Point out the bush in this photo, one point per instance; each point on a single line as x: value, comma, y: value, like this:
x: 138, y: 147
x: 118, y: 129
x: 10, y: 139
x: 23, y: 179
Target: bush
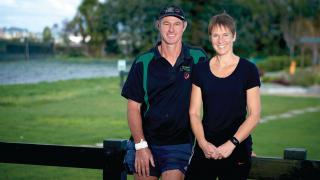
x: 70, y: 51
x: 303, y: 77
x: 277, y: 63
x: 282, y: 79
x: 273, y: 63
x: 306, y: 77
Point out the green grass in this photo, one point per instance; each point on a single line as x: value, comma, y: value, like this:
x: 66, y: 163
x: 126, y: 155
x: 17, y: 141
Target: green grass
x: 302, y: 131
x: 85, y: 112
x: 33, y: 172
x: 273, y: 105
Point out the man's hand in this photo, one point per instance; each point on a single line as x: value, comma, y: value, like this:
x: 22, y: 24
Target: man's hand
x: 142, y: 162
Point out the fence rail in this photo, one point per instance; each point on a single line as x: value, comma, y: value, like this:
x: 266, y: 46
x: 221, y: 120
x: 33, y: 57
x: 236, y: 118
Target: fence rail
x: 109, y: 158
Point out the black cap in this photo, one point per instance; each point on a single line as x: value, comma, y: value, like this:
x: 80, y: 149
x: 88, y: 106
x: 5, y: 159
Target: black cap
x: 171, y: 11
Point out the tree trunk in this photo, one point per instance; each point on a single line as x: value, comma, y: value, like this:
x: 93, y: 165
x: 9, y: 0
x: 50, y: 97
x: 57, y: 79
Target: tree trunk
x: 315, y: 55
x: 302, y: 56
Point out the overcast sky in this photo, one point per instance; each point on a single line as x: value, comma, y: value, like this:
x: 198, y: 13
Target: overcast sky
x: 34, y: 15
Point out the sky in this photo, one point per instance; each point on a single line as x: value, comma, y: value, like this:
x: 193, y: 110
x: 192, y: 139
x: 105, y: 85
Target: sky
x: 34, y: 15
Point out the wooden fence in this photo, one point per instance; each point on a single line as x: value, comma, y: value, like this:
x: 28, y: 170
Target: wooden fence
x: 109, y: 159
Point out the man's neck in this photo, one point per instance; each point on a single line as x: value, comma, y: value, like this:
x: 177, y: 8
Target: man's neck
x: 170, y: 52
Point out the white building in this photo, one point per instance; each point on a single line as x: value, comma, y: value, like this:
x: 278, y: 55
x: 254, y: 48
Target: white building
x: 13, y: 33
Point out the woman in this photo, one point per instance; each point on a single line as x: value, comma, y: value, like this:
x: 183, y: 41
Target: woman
x: 228, y: 88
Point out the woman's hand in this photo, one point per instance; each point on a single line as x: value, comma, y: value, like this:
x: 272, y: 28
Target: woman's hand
x: 226, y: 149
x: 209, y: 150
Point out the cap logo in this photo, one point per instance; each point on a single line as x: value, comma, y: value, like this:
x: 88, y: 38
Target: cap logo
x: 170, y: 10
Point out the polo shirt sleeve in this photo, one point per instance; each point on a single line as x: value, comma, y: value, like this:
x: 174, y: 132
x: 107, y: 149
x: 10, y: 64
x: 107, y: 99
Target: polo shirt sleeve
x: 204, y: 58
x: 253, y: 78
x: 195, y: 75
x: 133, y: 87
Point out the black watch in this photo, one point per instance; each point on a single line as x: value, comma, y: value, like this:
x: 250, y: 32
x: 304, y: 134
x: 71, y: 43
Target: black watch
x: 234, y: 141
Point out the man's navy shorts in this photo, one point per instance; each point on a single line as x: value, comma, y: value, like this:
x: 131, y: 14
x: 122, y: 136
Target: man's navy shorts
x: 167, y: 157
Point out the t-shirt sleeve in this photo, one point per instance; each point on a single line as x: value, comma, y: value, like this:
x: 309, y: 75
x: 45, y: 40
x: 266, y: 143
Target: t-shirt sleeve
x: 133, y: 87
x: 253, y: 78
x: 195, y: 75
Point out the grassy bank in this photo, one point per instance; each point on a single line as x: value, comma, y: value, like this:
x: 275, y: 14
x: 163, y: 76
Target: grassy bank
x: 66, y: 112
x: 85, y: 112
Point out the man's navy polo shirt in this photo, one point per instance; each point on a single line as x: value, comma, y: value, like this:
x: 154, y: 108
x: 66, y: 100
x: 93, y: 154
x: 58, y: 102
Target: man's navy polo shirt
x: 164, y: 93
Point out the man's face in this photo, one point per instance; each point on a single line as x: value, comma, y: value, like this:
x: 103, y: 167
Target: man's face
x: 171, y: 29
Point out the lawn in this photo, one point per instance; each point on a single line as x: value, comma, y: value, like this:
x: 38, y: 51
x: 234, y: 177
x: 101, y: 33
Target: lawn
x: 73, y: 112
x: 85, y: 112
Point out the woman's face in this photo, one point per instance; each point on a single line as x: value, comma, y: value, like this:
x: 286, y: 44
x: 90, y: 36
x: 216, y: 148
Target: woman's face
x: 222, y: 40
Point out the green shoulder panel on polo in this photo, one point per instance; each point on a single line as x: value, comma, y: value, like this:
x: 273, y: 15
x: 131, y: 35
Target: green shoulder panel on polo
x: 196, y: 54
x: 145, y: 60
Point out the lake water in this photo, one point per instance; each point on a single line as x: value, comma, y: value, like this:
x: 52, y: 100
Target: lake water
x: 35, y: 71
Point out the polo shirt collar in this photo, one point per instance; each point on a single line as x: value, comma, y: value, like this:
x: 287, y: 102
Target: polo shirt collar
x: 184, y: 54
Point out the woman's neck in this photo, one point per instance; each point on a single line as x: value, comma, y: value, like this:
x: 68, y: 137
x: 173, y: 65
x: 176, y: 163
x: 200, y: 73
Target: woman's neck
x: 226, y: 60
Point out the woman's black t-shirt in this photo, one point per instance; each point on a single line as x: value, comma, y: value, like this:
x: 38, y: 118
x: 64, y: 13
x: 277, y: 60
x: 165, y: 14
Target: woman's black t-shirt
x: 225, y: 99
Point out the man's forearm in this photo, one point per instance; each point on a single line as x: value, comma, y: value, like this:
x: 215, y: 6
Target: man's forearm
x: 135, y: 121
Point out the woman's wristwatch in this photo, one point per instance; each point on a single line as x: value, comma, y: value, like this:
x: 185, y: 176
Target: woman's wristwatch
x: 234, y: 141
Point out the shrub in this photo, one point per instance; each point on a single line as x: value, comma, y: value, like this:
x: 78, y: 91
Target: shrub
x: 273, y: 63
x: 306, y: 77
x: 303, y: 77
x: 277, y: 63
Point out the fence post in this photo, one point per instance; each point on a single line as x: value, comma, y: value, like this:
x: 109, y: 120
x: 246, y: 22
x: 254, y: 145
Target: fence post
x: 122, y: 75
x: 26, y: 51
x: 295, y: 154
x: 304, y: 169
x: 115, y: 151
x: 122, y: 67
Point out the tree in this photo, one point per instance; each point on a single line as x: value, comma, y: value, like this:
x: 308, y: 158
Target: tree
x: 87, y: 23
x: 263, y: 27
x: 47, y: 35
x: 134, y: 20
x: 299, y: 19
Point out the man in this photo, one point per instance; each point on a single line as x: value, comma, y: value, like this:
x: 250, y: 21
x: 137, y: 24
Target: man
x: 158, y: 91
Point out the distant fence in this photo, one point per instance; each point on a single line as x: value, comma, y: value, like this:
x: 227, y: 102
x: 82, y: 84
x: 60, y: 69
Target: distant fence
x: 24, y: 50
x: 109, y: 158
